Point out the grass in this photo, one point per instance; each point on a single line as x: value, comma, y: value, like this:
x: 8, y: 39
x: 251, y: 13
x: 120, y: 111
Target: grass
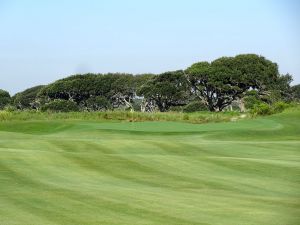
x: 198, y: 117
x: 80, y: 171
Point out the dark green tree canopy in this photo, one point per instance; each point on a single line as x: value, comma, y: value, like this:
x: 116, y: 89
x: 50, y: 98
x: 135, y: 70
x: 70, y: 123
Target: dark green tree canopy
x: 226, y: 79
x: 60, y: 106
x: 116, y: 90
x: 166, y: 90
x: 27, y: 98
x: 4, y: 98
x: 295, y: 90
x: 74, y: 88
x: 215, y: 85
x: 256, y: 71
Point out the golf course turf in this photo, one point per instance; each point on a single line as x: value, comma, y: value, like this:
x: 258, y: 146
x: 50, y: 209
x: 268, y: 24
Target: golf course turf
x: 77, y: 172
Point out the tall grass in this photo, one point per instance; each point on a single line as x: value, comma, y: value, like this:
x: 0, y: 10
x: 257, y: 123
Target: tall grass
x: 197, y: 117
x: 4, y: 115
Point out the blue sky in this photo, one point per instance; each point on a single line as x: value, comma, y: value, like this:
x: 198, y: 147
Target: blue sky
x: 41, y: 41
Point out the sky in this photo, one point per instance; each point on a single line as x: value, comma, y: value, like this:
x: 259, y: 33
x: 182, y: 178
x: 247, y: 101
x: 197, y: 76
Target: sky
x: 42, y: 41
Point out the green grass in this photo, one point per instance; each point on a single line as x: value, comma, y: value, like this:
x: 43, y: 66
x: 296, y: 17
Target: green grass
x: 197, y: 117
x: 79, y: 171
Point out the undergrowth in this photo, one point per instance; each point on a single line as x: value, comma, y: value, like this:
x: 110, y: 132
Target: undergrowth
x: 197, y: 117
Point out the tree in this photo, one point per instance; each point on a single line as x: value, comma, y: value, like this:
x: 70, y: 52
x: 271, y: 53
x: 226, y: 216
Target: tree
x: 166, y: 90
x: 76, y: 88
x: 295, y: 90
x: 116, y: 90
x: 122, y: 91
x: 217, y: 85
x: 226, y: 79
x: 27, y: 98
x: 282, y: 88
x: 199, y: 76
x: 98, y: 103
x: 80, y: 89
x: 4, y: 98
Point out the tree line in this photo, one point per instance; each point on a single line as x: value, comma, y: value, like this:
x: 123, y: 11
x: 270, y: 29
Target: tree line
x: 242, y: 82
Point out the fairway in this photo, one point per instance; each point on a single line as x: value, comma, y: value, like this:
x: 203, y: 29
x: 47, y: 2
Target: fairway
x: 76, y: 172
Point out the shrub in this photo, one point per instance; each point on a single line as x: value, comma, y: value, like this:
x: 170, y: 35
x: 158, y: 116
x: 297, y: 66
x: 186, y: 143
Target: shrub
x: 60, y: 106
x: 195, y: 106
x: 186, y: 117
x: 262, y: 109
x: 251, y: 101
x: 280, y: 106
x: 176, y: 108
x: 10, y: 108
x: 136, y: 104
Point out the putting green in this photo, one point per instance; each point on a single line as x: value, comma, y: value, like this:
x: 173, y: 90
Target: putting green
x: 85, y: 173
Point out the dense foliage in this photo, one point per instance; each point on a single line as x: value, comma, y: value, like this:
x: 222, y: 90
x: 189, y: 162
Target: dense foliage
x: 95, y: 91
x: 27, y: 99
x: 166, y: 90
x: 244, y: 82
x: 60, y: 106
x: 227, y: 79
x: 4, y: 98
x: 195, y: 106
x: 295, y: 91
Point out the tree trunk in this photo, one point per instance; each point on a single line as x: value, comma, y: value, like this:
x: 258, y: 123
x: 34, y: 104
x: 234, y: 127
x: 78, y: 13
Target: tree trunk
x: 143, y: 105
x: 241, y: 105
x: 128, y: 104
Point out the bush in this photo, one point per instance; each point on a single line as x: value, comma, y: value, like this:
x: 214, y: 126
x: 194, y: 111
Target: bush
x: 195, y: 106
x: 10, y: 108
x: 262, y: 109
x: 266, y: 109
x: 176, y: 109
x: 136, y: 104
x: 60, y: 106
x: 280, y: 106
x: 186, y: 117
x: 251, y: 101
